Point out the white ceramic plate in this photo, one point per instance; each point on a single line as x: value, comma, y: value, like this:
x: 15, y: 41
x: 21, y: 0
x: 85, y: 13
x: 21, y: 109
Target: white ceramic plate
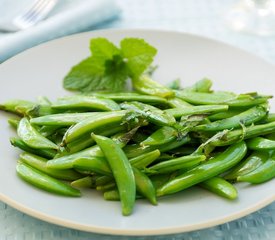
x: 39, y: 71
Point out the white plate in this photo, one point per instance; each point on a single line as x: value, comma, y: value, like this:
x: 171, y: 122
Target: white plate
x: 39, y: 71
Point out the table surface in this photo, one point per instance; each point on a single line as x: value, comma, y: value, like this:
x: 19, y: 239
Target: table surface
x: 200, y: 17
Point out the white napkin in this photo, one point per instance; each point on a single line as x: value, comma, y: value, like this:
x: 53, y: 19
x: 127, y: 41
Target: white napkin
x: 69, y: 16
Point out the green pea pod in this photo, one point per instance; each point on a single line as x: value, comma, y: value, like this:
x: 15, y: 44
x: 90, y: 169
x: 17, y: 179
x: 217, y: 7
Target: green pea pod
x: 145, y: 159
x: 260, y: 143
x: 45, y: 182
x: 247, y: 100
x: 121, y: 170
x: 211, y: 168
x: 151, y: 113
x: 86, y: 102
x: 40, y: 164
x: 203, y: 85
x: 67, y: 161
x: 179, y: 112
x: 46, y: 153
x: 220, y: 187
x: 91, y: 124
x: 159, y: 180
x: 246, y: 118
x: 107, y: 187
x: 252, y: 162
x: 263, y: 173
x: 227, y: 98
x: 132, y: 96
x: 64, y: 119
x: 162, y: 136
x: 136, y: 150
x: 43, y: 110
x: 48, y: 131
x: 177, y: 103
x: 86, y: 141
x: 144, y: 186
x: 144, y: 84
x: 93, y: 164
x: 84, y: 182
x: 32, y: 137
x: 17, y: 106
x: 102, y: 180
x: 227, y: 114
x: 198, y: 98
x: 172, y: 165
x: 113, y: 195
x: 240, y: 134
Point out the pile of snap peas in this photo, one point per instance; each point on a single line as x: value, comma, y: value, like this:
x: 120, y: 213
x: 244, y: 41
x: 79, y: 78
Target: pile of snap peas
x: 146, y: 143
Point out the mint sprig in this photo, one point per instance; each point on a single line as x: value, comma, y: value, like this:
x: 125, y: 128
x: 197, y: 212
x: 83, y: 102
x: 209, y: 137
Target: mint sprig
x: 109, y: 66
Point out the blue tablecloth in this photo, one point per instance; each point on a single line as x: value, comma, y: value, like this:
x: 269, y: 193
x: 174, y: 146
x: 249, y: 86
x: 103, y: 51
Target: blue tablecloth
x: 200, y: 17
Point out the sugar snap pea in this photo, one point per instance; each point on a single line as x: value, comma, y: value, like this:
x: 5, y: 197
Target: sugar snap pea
x: 203, y: 85
x: 63, y: 119
x: 17, y: 106
x: 39, y: 163
x: 144, y: 186
x: 220, y: 187
x: 132, y: 96
x: 172, y: 165
x: 121, y: 170
x: 86, y: 102
x: 247, y: 100
x: 32, y: 137
x: 145, y: 159
x: 260, y: 143
x: 45, y: 182
x: 93, y: 164
x: 163, y: 135
x: 84, y: 182
x: 91, y: 124
x: 86, y: 141
x: 135, y: 150
x: 67, y: 161
x: 227, y: 98
x: 263, y: 173
x: 252, y: 162
x: 144, y: 84
x: 177, y: 103
x: 227, y: 114
x: 179, y: 112
x: 249, y: 132
x: 246, y: 118
x: 206, y: 170
x: 205, y: 98
x: 153, y: 114
x: 113, y: 195
x: 46, y: 153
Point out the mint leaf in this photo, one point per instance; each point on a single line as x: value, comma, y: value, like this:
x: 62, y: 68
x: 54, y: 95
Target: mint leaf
x: 109, y: 67
x: 102, y: 50
x: 138, y: 54
x: 83, y: 75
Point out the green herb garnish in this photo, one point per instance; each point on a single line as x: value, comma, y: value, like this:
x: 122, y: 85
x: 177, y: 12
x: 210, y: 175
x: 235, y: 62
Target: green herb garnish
x: 109, y: 66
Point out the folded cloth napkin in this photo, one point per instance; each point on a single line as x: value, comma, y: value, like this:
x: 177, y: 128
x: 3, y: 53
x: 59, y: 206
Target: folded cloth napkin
x: 69, y: 16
